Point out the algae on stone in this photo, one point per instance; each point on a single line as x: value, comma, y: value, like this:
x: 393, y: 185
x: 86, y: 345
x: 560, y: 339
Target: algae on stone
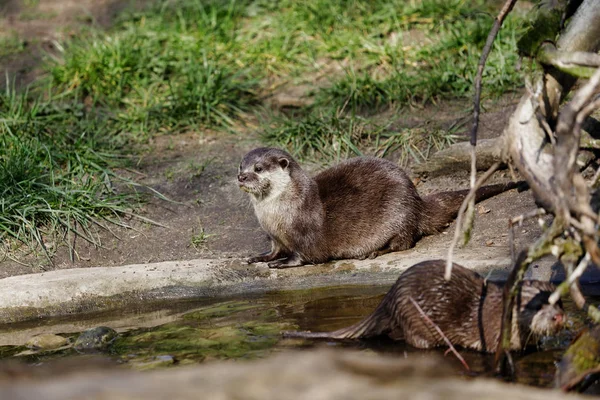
x: 208, y: 333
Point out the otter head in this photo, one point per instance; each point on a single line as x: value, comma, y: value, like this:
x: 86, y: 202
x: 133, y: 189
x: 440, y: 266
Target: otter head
x: 265, y: 172
x: 536, y: 315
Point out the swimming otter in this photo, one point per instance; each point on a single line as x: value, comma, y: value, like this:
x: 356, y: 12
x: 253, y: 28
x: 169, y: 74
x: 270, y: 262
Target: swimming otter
x: 467, y: 310
x: 360, y: 208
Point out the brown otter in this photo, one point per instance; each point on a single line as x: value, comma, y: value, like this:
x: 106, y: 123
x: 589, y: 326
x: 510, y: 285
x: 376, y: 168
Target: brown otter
x: 362, y: 207
x: 467, y: 310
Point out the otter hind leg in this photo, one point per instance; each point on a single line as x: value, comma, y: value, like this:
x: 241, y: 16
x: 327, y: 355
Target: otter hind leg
x: 378, y: 253
x: 397, y: 243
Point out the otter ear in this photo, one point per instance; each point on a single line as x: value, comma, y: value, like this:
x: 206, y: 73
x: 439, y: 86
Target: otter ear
x: 284, y: 163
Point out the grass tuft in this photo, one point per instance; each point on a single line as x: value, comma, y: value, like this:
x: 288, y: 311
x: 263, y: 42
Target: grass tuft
x: 441, y: 65
x: 11, y: 45
x: 334, y: 137
x: 55, y: 186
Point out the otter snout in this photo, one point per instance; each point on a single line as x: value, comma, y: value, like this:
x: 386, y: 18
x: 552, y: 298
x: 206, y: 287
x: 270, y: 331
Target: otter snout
x: 247, y: 181
x: 548, y: 320
x: 242, y: 177
x: 558, y: 319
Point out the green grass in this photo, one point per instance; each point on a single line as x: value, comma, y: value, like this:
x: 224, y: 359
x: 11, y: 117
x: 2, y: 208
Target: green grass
x: 151, y: 82
x: 200, y: 239
x: 440, y: 65
x: 11, y: 45
x: 333, y: 137
x: 55, y: 180
x: 185, y: 65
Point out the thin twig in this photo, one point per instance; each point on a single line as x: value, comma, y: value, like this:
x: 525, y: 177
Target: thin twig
x: 461, y: 213
x: 482, y: 60
x: 537, y: 103
x: 477, y: 109
x: 563, y: 288
x: 519, y: 219
x: 469, y: 201
x: 437, y: 328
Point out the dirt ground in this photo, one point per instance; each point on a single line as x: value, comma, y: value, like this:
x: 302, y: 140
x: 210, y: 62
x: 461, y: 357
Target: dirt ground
x: 209, y: 216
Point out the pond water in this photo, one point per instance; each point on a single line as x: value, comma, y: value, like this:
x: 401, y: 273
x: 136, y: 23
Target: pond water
x: 185, y: 332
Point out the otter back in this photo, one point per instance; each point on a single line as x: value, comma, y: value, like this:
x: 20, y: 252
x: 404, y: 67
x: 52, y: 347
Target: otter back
x: 466, y: 308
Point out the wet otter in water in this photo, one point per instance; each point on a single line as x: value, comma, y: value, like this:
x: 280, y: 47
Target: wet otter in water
x: 466, y: 308
x: 360, y: 208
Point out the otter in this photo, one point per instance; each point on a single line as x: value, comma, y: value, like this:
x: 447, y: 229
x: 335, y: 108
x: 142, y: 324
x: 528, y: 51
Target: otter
x: 467, y: 309
x: 362, y: 207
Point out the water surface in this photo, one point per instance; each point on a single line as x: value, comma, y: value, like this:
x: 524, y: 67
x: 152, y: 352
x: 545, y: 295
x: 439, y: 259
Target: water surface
x: 185, y: 332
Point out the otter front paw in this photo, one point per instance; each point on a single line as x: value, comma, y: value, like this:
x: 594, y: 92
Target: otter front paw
x: 253, y: 260
x: 286, y: 263
x: 262, y: 257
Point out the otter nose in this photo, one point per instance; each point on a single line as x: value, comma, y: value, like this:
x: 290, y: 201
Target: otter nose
x: 242, y: 177
x: 559, y: 319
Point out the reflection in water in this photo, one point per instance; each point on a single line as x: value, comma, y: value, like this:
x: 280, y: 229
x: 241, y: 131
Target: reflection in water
x: 190, y: 332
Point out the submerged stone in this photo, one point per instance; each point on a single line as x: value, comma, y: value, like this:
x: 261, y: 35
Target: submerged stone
x: 96, y: 339
x: 46, y: 341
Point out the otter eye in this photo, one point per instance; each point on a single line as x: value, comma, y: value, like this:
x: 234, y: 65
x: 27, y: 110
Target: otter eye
x: 257, y: 168
x: 538, y: 301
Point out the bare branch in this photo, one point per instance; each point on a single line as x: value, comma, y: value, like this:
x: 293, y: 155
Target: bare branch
x: 551, y: 169
x: 521, y: 218
x: 508, y: 6
x: 461, y: 213
x: 470, y: 207
x: 579, y: 64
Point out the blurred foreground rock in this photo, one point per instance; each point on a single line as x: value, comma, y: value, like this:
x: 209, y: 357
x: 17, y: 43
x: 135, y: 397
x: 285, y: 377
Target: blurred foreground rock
x: 318, y: 374
x: 579, y: 367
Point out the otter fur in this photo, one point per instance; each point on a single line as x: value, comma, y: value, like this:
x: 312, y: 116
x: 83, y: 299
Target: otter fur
x: 360, y: 208
x: 467, y: 309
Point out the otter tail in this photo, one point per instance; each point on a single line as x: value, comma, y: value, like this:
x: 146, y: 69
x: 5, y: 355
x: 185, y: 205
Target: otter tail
x: 442, y: 208
x: 377, y: 323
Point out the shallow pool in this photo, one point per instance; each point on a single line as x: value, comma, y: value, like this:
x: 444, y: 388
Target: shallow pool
x: 184, y: 332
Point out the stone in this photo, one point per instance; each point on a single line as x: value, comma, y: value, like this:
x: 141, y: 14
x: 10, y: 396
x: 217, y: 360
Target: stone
x: 46, y: 341
x: 96, y: 339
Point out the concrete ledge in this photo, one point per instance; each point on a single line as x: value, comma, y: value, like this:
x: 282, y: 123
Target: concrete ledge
x: 86, y: 290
